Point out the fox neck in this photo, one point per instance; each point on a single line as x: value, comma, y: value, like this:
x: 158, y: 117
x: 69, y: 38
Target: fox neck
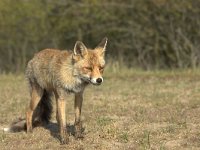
x: 70, y: 81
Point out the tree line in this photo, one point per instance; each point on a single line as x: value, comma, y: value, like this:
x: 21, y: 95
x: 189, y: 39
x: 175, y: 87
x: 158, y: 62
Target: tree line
x: 148, y: 34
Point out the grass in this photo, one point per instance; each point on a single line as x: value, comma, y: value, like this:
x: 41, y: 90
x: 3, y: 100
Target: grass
x: 132, y: 109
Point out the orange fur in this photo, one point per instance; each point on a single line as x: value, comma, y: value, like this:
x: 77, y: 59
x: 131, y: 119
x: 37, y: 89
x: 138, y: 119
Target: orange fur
x: 58, y: 72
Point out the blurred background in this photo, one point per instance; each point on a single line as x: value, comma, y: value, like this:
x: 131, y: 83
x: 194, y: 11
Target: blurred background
x: 146, y: 34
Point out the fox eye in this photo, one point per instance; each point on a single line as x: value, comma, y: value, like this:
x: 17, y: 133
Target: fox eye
x: 101, y: 68
x: 88, y: 68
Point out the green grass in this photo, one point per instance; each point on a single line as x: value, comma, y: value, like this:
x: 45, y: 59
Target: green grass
x: 132, y: 109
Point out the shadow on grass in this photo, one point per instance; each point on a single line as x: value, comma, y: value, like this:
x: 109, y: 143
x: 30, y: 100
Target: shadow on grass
x: 54, y: 129
x: 20, y: 125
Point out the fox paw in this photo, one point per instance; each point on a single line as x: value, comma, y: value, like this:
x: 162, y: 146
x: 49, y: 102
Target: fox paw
x: 29, y: 130
x: 64, y: 140
x: 79, y: 135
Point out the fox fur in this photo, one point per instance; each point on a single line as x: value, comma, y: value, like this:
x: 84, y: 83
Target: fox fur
x: 56, y: 72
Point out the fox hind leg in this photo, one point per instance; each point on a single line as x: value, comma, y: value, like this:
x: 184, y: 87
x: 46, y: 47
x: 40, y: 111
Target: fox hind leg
x: 36, y: 95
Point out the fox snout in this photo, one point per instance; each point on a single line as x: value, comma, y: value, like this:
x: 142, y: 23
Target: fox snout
x: 96, y: 81
x: 89, y: 64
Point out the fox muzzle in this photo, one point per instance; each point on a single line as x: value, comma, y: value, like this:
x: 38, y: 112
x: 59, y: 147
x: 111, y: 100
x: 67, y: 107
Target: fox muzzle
x: 96, y: 81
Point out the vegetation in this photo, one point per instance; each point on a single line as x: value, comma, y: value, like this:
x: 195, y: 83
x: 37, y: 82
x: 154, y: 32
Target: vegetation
x: 131, y: 110
x: 153, y: 34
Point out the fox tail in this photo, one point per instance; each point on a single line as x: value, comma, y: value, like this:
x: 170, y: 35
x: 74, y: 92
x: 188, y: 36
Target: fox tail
x: 41, y: 115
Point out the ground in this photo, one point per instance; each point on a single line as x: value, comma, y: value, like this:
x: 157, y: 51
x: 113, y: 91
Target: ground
x: 130, y: 110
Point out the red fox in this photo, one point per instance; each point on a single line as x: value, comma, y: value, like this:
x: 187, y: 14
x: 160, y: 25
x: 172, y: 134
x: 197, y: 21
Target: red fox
x: 57, y: 72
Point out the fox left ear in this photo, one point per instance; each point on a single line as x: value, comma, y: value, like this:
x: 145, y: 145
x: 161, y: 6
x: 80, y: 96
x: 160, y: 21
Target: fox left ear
x: 80, y: 49
x: 102, y: 46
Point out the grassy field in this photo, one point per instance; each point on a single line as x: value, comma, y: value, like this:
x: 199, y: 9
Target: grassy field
x: 131, y: 110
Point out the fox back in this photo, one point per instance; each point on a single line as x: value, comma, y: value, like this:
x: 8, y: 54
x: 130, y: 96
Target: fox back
x: 70, y: 70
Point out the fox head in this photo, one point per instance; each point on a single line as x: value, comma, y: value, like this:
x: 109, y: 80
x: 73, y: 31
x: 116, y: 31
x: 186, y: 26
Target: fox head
x: 89, y: 63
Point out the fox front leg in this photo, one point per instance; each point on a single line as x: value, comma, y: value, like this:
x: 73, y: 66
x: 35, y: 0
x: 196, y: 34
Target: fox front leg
x: 64, y: 137
x: 77, y: 107
x: 61, y: 118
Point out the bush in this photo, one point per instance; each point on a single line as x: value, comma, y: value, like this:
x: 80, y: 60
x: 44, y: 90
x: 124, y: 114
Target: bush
x: 154, y: 34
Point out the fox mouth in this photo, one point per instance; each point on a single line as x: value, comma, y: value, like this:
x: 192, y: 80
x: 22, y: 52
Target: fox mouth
x: 95, y: 83
x: 90, y: 81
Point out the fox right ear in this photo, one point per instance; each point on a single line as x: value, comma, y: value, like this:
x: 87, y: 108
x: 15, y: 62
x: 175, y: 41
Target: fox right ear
x: 102, y: 46
x: 80, y: 49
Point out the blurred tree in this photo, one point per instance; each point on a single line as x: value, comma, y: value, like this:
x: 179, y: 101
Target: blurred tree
x: 153, y: 34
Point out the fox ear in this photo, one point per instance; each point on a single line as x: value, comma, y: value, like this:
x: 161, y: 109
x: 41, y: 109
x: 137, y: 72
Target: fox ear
x: 102, y: 46
x: 80, y: 49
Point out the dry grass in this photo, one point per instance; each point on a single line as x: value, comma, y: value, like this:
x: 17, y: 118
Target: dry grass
x: 131, y: 110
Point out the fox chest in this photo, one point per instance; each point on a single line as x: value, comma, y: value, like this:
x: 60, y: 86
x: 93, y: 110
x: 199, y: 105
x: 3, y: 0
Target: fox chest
x: 74, y: 89
x: 75, y: 86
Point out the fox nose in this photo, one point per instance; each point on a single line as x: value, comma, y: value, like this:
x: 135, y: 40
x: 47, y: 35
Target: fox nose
x: 99, y: 80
